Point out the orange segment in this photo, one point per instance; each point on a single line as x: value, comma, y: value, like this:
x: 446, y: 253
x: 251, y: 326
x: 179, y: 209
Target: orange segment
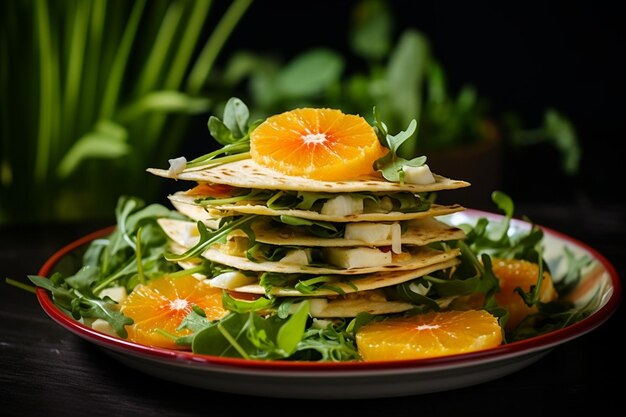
x: 428, y: 335
x: 512, y: 273
x: 163, y: 303
x: 211, y: 190
x: 322, y: 144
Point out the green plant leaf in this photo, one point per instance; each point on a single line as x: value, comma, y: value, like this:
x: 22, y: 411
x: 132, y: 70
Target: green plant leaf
x: 290, y: 333
x: 236, y: 115
x: 563, y: 136
x: 371, y: 29
x: 391, y: 165
x: 405, y: 73
x: 504, y: 202
x: 220, y: 132
x: 163, y: 101
x: 310, y: 73
x: 93, y: 145
x: 242, y: 64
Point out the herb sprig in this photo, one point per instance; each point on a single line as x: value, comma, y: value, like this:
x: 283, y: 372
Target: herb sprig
x: 392, y: 165
x: 232, y: 132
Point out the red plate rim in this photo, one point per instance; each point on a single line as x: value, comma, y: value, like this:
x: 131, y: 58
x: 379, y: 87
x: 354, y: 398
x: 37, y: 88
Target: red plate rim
x: 527, y: 346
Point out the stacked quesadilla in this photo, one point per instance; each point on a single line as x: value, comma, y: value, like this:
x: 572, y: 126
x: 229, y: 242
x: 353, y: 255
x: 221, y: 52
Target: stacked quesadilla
x: 346, y: 246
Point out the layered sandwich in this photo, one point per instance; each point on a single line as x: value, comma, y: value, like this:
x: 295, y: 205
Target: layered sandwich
x: 347, y: 239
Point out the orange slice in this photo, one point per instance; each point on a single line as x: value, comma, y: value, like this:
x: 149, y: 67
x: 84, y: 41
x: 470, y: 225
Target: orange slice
x: 512, y: 273
x: 322, y: 144
x: 163, y: 303
x: 428, y: 335
x: 210, y: 190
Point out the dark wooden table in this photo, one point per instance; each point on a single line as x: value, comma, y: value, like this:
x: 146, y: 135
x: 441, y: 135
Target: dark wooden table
x: 47, y: 371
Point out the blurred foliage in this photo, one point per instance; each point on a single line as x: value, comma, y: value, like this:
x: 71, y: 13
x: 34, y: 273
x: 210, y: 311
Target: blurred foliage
x: 94, y: 92
x: 401, y: 77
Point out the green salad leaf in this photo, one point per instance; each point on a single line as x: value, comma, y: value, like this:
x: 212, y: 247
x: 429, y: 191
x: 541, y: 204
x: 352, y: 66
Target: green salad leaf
x: 282, y: 328
x: 392, y: 165
x: 232, y: 132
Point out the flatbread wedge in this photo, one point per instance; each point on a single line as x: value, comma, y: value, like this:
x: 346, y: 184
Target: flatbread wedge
x: 419, y: 232
x: 248, y: 174
x: 226, y: 210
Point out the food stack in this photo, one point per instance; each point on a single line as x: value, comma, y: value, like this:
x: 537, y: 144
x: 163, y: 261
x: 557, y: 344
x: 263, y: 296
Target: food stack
x: 347, y: 240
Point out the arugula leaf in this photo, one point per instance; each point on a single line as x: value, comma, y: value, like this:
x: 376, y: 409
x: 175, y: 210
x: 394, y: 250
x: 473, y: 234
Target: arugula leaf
x: 251, y: 195
x: 316, y: 227
x: 269, y: 280
x: 233, y: 133
x: 114, y: 260
x: 212, y: 341
x: 572, y: 277
x: 252, y: 336
x: 309, y: 286
x: 391, y: 164
x: 208, y: 237
x: 327, y: 341
x: 244, y: 306
x: 493, y: 237
x: 407, y: 291
x: 236, y: 116
x: 91, y: 307
x: 290, y: 333
x: 74, y: 303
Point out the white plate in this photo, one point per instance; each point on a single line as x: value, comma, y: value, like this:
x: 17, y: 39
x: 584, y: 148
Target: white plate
x: 360, y: 379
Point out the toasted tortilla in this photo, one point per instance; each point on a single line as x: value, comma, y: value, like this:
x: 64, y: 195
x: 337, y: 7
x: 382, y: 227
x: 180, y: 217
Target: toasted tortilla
x: 249, y: 174
x: 419, y: 257
x: 355, y: 284
x: 349, y: 305
x: 419, y: 232
x: 373, y: 301
x: 225, y: 210
x: 348, y: 285
x: 196, y: 213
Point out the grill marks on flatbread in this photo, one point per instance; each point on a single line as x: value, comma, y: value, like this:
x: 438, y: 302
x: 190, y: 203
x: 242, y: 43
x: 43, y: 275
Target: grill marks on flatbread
x: 224, y: 210
x: 356, y: 284
x: 249, y: 174
x: 419, y: 256
x: 419, y: 232
x: 348, y: 291
x: 347, y: 284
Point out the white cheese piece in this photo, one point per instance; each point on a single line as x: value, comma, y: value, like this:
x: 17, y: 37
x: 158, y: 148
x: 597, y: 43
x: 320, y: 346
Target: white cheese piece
x: 420, y: 288
x: 230, y: 280
x: 298, y: 257
x: 317, y: 305
x: 368, y: 232
x: 343, y: 205
x: 418, y: 175
x: 177, y: 165
x: 396, y: 238
x: 321, y: 323
x: 103, y: 326
x: 357, y: 257
x: 118, y: 294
